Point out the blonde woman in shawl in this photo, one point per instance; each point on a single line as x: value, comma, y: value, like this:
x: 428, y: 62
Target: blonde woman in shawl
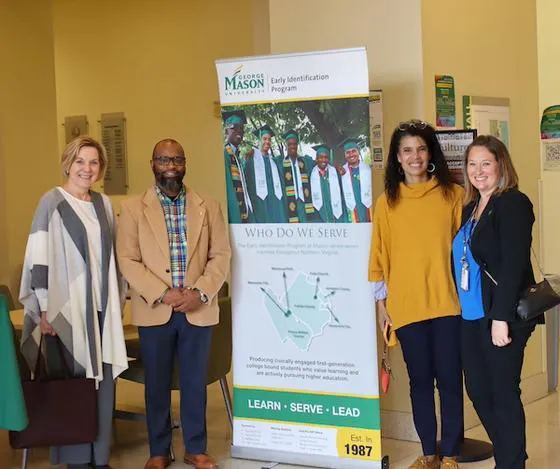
x: 70, y: 290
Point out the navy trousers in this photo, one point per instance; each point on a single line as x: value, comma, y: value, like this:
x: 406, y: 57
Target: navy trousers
x: 492, y: 378
x: 432, y: 352
x: 160, y: 346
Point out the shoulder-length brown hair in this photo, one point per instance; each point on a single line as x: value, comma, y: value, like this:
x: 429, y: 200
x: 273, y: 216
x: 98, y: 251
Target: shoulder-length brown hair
x: 71, y: 151
x: 508, y: 175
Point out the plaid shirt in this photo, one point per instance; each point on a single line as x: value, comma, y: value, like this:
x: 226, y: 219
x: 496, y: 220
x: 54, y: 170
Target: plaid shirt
x: 175, y: 213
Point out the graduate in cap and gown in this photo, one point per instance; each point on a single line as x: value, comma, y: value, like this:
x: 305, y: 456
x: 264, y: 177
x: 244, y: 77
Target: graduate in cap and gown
x: 356, y: 183
x: 240, y: 209
x: 326, y: 190
x: 295, y: 171
x: 263, y: 181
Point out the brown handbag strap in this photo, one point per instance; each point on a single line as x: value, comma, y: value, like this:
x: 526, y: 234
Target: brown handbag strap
x: 65, y: 367
x: 38, y: 368
x: 37, y: 375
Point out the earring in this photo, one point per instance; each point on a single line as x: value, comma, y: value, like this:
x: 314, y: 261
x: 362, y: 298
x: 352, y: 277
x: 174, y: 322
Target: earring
x: 400, y: 170
x: 431, y: 167
x: 67, y: 173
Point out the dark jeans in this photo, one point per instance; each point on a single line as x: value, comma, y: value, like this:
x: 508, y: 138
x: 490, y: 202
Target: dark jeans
x: 160, y: 346
x: 432, y: 353
x: 492, y: 377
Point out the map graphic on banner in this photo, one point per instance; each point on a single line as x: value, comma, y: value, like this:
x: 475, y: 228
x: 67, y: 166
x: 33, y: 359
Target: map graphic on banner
x: 302, y: 312
x: 297, y: 161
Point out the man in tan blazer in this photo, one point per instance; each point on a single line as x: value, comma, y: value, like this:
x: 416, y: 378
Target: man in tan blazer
x: 174, y: 251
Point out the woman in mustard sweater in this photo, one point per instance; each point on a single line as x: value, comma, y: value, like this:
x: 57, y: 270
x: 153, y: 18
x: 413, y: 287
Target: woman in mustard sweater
x: 414, y: 223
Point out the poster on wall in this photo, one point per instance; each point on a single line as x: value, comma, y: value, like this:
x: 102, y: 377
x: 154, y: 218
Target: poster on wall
x: 113, y: 137
x: 490, y: 116
x: 74, y: 126
x: 454, y: 144
x: 551, y: 154
x: 376, y: 128
x: 550, y: 138
x: 445, y: 101
x: 550, y: 123
x: 296, y: 152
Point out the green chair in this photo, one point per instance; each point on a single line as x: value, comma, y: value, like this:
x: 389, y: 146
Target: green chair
x: 14, y: 369
x: 5, y: 290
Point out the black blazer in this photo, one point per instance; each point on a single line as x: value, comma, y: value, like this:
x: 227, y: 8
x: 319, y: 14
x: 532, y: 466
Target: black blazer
x: 501, y: 245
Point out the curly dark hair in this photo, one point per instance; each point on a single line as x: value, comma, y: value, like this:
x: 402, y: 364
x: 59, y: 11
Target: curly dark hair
x: 393, y: 176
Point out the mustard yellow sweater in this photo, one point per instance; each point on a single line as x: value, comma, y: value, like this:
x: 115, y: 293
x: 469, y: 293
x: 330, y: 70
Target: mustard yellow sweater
x: 411, y: 252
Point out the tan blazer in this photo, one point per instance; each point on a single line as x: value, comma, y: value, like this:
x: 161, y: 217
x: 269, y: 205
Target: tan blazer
x: 143, y: 254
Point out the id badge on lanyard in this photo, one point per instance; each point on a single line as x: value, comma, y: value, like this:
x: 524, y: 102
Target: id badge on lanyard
x: 464, y: 275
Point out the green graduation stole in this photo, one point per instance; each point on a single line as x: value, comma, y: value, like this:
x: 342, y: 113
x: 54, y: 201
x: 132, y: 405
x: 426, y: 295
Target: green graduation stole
x: 291, y: 195
x: 237, y: 185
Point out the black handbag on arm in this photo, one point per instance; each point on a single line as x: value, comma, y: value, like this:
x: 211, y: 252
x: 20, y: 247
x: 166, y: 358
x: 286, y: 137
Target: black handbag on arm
x: 535, y: 300
x: 60, y: 411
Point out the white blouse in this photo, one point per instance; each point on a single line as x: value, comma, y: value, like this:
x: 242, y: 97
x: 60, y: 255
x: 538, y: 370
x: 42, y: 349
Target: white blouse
x: 86, y: 213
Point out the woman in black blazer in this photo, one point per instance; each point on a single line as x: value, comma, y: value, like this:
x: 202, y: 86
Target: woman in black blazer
x: 492, y: 266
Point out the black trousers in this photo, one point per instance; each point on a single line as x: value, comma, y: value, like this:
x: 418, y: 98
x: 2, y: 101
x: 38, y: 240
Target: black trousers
x: 492, y: 377
x: 432, y: 354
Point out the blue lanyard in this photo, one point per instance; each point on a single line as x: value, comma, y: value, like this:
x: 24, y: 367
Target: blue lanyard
x: 467, y: 237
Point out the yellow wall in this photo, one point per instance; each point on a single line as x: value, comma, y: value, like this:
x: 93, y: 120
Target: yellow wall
x: 548, y: 18
x: 154, y: 61
x: 490, y: 49
x: 28, y: 145
x: 395, y: 67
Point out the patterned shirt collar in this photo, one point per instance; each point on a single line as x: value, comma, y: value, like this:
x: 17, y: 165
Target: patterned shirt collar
x: 164, y: 198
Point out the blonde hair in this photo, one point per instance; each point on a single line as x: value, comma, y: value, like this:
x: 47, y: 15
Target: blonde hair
x: 508, y: 175
x: 71, y: 151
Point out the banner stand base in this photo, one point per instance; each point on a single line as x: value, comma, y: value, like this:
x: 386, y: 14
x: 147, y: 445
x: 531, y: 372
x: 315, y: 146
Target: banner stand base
x: 301, y: 459
x: 384, y: 464
x: 475, y: 450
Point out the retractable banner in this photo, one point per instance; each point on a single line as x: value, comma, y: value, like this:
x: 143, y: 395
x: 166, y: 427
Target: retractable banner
x: 299, y: 188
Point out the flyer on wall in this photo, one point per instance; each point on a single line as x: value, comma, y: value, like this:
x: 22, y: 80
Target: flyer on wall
x: 550, y: 138
x: 445, y: 101
x: 454, y: 143
x: 297, y: 160
x: 376, y: 128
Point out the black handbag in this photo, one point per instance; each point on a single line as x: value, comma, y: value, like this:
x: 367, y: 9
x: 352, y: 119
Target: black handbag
x: 535, y: 300
x: 60, y: 411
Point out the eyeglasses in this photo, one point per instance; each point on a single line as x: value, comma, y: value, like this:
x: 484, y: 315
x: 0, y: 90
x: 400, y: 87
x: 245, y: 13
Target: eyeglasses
x: 415, y: 123
x: 167, y: 160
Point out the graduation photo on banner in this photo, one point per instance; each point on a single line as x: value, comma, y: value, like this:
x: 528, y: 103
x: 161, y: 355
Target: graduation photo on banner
x: 297, y: 163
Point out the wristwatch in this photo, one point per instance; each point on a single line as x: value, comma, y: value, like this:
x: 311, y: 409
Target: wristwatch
x: 203, y: 296
x: 160, y: 299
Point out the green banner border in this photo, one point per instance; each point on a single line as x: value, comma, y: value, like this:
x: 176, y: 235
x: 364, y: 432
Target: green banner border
x: 307, y: 408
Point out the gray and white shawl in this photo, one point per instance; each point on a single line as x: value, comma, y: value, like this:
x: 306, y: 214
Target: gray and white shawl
x: 57, y: 260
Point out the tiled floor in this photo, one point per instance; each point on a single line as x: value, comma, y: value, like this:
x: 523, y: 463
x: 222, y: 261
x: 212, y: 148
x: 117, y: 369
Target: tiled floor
x: 130, y: 449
